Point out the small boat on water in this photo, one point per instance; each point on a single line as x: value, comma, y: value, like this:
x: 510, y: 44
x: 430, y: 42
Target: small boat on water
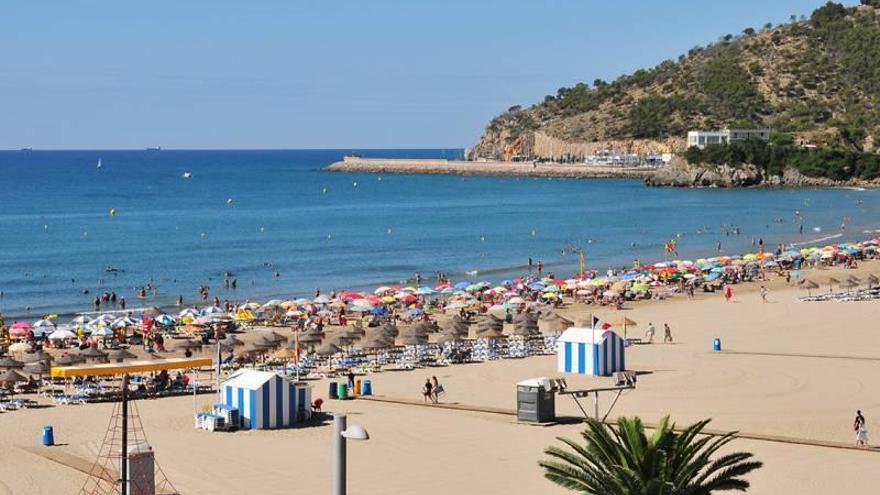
x: 154, y: 148
x: 187, y: 175
x: 27, y: 148
x: 98, y: 165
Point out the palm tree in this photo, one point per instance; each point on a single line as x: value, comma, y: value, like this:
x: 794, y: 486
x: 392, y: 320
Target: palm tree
x: 625, y: 461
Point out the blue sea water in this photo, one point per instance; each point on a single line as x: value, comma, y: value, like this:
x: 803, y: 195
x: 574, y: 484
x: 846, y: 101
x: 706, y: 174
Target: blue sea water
x: 255, y: 213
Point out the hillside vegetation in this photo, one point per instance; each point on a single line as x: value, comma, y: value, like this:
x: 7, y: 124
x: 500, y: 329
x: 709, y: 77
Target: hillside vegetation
x: 816, y: 78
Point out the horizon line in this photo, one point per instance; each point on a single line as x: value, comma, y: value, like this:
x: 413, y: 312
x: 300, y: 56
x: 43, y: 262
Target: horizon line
x: 154, y: 150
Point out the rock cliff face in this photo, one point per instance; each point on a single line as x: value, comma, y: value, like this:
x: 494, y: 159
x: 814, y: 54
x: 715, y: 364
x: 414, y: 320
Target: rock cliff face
x: 681, y: 174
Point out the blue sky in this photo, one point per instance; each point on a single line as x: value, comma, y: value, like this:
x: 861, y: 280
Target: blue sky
x: 322, y: 74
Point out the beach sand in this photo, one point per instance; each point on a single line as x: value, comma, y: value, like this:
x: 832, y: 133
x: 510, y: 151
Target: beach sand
x: 416, y: 449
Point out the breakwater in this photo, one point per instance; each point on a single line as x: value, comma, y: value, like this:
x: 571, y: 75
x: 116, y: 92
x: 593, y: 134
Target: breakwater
x: 496, y: 168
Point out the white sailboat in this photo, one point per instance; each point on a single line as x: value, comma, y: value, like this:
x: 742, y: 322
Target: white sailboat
x: 99, y: 163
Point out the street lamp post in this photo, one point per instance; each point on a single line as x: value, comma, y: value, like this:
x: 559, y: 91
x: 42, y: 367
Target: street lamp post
x: 342, y: 433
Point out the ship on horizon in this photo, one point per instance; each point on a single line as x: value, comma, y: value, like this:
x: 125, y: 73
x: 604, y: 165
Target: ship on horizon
x: 154, y: 148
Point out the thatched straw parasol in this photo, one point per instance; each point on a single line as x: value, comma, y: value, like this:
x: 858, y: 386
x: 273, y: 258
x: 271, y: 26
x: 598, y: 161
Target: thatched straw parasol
x: 284, y: 354
x: 9, y: 363
x: 425, y: 327
x: 553, y: 323
x: 276, y: 337
x: 389, y: 329
x: 69, y: 360
x: 35, y: 356
x: 328, y: 349
x: 10, y: 377
x: 93, y: 354
x: 308, y: 337
x: 413, y: 339
x: 624, y: 323
x: 872, y: 281
x: 188, y: 344
x: 231, y: 341
x: 120, y: 355
x: 264, y: 342
x: 526, y: 325
x: 489, y: 325
x: 456, y: 325
x: 809, y: 285
x: 831, y: 282
x: 38, y: 368
x: 377, y: 341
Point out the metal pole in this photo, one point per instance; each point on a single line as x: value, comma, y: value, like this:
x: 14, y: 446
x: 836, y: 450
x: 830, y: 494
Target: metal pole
x: 217, y: 337
x: 339, y: 425
x: 296, y: 351
x: 596, y: 403
x: 123, y: 467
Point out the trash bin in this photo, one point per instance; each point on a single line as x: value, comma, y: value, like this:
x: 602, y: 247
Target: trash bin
x: 333, y: 389
x: 716, y: 345
x: 357, y: 387
x: 367, y: 388
x: 535, y: 401
x: 48, y: 436
x: 342, y: 391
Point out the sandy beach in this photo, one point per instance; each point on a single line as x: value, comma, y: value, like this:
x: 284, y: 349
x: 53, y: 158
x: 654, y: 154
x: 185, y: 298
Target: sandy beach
x: 788, y: 368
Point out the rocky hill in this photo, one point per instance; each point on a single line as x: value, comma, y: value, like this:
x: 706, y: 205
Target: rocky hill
x: 817, y: 78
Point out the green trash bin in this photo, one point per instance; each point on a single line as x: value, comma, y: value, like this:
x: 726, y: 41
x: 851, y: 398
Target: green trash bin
x: 342, y: 391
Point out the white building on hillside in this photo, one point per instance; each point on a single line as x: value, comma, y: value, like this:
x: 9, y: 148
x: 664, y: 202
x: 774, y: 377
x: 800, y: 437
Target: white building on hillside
x: 725, y: 136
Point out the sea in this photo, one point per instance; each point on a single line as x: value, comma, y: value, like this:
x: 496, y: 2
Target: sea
x: 74, y: 224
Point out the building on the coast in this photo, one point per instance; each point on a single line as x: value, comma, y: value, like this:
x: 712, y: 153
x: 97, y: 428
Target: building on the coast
x: 267, y: 400
x: 701, y: 139
x: 587, y: 351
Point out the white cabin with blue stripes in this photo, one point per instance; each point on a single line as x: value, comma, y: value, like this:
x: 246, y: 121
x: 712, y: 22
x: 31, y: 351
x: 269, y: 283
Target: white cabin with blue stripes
x: 586, y: 351
x: 267, y: 400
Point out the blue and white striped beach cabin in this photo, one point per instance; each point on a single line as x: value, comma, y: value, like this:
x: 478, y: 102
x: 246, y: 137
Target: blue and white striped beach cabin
x: 586, y: 351
x: 267, y: 400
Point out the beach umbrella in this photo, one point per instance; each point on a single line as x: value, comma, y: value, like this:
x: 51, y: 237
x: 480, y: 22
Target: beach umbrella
x: 623, y: 323
x: 872, y: 281
x: 123, y: 322
x: 389, y: 329
x: 264, y: 342
x: 120, y: 355
x: 425, y: 327
x: 249, y: 306
x: 9, y: 363
x: 102, y: 332
x: 377, y: 340
x: 69, y: 360
x: 164, y: 320
x: 413, y: 339
x: 284, y: 354
x: 93, y: 354
x: 276, y: 337
x: 46, y: 324
x: 19, y: 347
x: 37, y: 368
x: 32, y: 357
x: 525, y: 324
x: 310, y: 336
x: 554, y: 323
x: 80, y: 320
x: 152, y: 311
x: 809, y: 285
x: 188, y: 344
x: 10, y: 377
x: 848, y: 285
x: 328, y: 349
x: 62, y: 335
x: 231, y: 341
x: 831, y: 282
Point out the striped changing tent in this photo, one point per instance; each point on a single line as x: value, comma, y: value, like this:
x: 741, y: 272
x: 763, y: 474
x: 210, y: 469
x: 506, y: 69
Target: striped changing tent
x: 267, y: 400
x: 585, y: 351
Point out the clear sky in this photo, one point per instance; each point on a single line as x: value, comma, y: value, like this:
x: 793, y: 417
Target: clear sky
x: 322, y: 74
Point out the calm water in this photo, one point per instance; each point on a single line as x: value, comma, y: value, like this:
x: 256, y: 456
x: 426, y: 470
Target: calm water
x: 255, y: 213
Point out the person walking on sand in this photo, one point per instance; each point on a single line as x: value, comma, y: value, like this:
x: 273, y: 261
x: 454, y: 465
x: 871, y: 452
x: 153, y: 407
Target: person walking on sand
x: 436, y: 390
x: 428, y: 390
x: 728, y: 293
x: 649, y: 335
x: 764, y: 293
x: 667, y: 334
x: 861, y: 430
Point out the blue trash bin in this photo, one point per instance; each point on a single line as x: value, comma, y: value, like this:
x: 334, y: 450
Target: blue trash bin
x: 716, y: 345
x: 333, y: 391
x: 48, y: 436
x: 366, y: 388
